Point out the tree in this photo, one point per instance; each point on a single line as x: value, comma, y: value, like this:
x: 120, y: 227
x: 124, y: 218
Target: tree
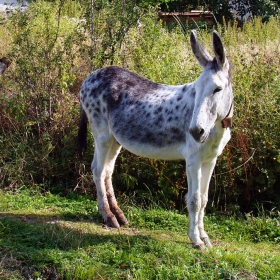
x: 251, y: 8
x: 109, y: 22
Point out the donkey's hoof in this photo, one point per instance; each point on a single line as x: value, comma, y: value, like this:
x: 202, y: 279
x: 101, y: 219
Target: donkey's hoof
x: 122, y: 220
x: 119, y: 216
x: 112, y: 222
x: 199, y: 245
x: 207, y: 242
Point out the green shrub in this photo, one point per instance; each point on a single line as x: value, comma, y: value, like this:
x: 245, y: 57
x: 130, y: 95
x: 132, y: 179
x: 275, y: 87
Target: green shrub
x: 255, y: 141
x: 52, y: 53
x: 40, y: 112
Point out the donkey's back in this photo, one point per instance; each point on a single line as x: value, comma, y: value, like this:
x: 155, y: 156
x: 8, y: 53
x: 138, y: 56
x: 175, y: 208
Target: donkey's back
x: 147, y: 118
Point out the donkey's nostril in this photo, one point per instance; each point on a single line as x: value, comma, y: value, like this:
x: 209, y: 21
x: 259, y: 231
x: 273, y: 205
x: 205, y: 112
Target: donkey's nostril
x: 197, y: 133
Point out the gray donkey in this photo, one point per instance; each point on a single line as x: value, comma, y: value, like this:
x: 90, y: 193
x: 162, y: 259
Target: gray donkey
x: 159, y: 121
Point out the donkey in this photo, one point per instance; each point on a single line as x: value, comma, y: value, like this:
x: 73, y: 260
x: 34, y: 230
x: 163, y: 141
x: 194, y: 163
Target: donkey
x: 4, y: 64
x: 158, y: 121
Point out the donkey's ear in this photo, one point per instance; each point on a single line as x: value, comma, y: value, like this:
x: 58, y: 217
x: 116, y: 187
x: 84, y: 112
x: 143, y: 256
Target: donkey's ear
x: 202, y: 56
x: 219, y: 49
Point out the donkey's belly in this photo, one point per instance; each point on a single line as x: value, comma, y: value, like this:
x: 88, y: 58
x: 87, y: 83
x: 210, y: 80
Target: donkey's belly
x: 170, y: 152
x: 145, y: 137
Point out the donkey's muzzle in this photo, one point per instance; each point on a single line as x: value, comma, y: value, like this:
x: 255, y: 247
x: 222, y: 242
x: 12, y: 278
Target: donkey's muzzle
x: 198, y: 133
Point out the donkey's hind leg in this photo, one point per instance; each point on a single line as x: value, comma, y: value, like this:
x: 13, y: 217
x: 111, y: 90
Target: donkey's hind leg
x: 110, y: 164
x: 103, y: 142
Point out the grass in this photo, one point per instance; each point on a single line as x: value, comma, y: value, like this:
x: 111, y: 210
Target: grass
x: 53, y: 237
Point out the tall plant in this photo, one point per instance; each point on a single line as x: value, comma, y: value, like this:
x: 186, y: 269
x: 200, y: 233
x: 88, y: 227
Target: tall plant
x: 45, y: 45
x: 108, y: 24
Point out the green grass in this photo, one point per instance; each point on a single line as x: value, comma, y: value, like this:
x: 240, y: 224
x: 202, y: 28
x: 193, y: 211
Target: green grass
x: 53, y: 237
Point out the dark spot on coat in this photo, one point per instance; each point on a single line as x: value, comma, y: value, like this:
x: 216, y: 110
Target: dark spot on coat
x: 179, y: 97
x: 98, y: 75
x: 158, y: 110
x: 104, y: 98
x: 175, y: 130
x: 93, y: 93
x: 159, y: 120
x: 130, y: 84
x: 169, y: 141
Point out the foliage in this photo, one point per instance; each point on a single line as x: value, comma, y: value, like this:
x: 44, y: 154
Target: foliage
x: 256, y: 117
x: 52, y: 53
x: 108, y: 24
x: 260, y: 8
x: 222, y: 9
x: 39, y: 106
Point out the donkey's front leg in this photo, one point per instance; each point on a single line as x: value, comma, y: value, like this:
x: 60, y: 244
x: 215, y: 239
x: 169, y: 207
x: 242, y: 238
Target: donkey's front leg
x: 206, y: 172
x: 193, y: 201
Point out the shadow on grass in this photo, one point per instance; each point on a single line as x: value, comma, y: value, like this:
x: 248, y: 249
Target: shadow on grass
x: 30, y: 243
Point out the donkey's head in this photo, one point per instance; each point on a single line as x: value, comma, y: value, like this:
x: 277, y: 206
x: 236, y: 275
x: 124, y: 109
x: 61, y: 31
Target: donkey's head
x: 214, y: 97
x: 4, y: 63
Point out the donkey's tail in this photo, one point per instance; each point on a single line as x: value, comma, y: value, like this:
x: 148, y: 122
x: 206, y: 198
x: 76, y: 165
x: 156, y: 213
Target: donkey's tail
x: 82, y: 134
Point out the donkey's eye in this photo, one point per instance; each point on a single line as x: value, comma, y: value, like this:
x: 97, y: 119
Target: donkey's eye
x: 217, y: 90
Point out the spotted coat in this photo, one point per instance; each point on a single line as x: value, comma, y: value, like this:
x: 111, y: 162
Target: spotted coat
x: 161, y: 122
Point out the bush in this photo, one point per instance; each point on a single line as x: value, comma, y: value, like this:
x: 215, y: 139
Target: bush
x: 38, y: 123
x: 52, y: 53
x: 255, y: 59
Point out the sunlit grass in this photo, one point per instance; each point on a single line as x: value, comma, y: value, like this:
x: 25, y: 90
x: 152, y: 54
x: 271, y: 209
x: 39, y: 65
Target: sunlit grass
x: 45, y: 235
